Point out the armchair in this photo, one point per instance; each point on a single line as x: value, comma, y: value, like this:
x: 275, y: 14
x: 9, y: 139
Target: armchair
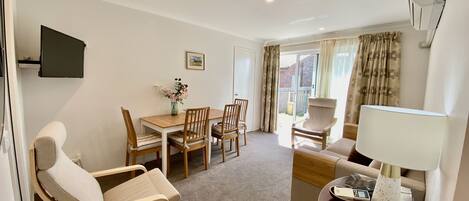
x: 55, y: 177
x: 319, y: 123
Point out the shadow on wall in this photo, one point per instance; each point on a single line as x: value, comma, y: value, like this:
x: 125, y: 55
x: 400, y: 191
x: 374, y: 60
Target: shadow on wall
x: 45, y: 105
x: 463, y: 176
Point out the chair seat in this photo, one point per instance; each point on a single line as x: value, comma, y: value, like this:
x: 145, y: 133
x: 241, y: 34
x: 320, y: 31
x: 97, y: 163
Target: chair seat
x: 242, y: 125
x: 304, y: 130
x: 151, y: 183
x: 147, y: 141
x: 216, y: 131
x: 178, y: 138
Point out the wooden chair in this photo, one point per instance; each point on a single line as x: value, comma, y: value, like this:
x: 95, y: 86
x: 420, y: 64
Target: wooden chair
x: 319, y: 123
x: 193, y: 137
x: 243, y: 103
x: 228, y: 129
x: 139, y: 144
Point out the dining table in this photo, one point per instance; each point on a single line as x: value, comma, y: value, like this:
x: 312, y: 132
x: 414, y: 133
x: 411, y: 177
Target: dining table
x: 167, y: 124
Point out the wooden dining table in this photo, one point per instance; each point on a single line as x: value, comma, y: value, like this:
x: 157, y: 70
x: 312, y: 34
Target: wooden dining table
x: 166, y: 124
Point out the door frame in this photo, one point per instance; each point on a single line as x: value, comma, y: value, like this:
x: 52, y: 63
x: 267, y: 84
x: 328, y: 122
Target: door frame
x: 251, y: 99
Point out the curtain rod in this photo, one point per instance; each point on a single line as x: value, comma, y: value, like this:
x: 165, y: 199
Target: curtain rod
x: 315, y: 41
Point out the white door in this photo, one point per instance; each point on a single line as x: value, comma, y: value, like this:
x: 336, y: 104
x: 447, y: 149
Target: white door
x: 243, y: 84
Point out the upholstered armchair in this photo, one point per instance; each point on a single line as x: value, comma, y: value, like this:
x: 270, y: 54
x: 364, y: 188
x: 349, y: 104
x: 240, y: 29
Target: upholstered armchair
x: 55, y: 177
x: 319, y: 123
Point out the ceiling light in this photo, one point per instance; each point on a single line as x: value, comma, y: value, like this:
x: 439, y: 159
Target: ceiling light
x: 322, y: 29
x: 269, y: 1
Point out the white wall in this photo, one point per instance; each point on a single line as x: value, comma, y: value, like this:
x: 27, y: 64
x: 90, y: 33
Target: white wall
x: 127, y: 52
x: 448, y: 92
x: 414, y: 60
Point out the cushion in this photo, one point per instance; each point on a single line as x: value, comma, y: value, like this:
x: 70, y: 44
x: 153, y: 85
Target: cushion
x: 179, y: 138
x: 148, y: 184
x: 216, y: 130
x: 330, y: 153
x: 59, y: 176
x: 343, y: 146
x: 357, y: 157
x: 147, y: 141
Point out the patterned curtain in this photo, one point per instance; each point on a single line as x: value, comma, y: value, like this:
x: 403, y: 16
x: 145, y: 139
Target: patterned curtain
x: 269, y: 88
x: 375, y: 76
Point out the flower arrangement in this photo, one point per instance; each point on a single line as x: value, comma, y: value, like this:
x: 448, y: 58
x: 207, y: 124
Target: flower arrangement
x: 178, y: 93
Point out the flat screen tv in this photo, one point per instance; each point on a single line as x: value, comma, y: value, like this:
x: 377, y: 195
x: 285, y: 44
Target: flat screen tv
x: 61, y: 55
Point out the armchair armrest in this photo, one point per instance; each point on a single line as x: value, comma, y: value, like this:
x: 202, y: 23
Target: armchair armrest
x: 328, y: 127
x: 118, y: 170
x: 159, y: 197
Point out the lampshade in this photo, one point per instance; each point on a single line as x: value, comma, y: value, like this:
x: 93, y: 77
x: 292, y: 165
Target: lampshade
x: 399, y: 136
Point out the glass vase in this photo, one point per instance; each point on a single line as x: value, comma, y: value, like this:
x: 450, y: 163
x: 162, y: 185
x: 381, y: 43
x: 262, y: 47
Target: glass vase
x: 174, y: 108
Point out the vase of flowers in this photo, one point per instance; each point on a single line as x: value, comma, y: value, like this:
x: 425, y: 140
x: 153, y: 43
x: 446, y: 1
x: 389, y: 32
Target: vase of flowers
x: 176, y: 95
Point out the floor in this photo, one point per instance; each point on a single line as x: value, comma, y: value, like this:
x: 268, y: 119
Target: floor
x: 261, y: 172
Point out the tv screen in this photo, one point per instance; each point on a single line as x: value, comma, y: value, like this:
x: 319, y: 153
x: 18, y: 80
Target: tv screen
x: 61, y: 55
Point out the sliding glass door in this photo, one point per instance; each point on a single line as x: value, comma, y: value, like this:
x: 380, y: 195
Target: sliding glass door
x: 297, y: 82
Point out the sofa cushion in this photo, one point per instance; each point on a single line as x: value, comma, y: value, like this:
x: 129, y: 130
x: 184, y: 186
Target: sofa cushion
x: 330, y: 153
x: 357, y: 157
x: 145, y: 185
x: 343, y: 147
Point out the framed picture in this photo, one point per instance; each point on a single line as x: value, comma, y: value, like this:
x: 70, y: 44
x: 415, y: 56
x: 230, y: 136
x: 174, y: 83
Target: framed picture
x: 195, y: 60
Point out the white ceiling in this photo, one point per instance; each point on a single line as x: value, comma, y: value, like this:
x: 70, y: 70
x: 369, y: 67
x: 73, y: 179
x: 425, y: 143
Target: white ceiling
x: 257, y: 19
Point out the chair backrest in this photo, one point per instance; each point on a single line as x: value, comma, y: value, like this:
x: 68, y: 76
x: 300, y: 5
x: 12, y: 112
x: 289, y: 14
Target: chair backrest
x: 230, y: 121
x: 131, y: 135
x: 321, y: 113
x: 196, y: 124
x: 53, y: 174
x: 244, y: 108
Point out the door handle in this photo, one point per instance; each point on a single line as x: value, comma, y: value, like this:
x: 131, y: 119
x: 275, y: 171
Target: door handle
x: 236, y: 94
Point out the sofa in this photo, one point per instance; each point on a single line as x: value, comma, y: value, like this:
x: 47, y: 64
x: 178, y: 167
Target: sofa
x: 313, y: 169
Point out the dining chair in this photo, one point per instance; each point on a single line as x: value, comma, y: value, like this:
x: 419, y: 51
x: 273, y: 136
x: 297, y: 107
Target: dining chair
x: 228, y: 129
x: 318, y: 125
x: 193, y: 137
x: 139, y: 144
x: 243, y: 103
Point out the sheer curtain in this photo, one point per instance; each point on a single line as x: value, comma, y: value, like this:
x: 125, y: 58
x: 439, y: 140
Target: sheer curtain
x: 342, y: 65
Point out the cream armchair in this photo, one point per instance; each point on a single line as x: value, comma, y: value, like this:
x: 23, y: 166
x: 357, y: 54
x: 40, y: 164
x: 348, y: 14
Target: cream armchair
x: 319, y: 123
x: 55, y: 177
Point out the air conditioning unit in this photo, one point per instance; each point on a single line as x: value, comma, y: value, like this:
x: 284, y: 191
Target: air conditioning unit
x: 425, y: 15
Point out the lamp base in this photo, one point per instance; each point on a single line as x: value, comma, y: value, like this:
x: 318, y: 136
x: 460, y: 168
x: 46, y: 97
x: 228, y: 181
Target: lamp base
x: 388, y: 185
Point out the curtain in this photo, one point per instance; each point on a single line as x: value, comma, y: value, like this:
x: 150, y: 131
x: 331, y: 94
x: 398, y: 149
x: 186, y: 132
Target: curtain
x: 375, y: 76
x: 326, y: 54
x: 342, y: 64
x: 271, y: 67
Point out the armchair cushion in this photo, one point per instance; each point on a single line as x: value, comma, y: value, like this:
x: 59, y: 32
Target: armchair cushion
x: 145, y: 185
x: 62, y: 178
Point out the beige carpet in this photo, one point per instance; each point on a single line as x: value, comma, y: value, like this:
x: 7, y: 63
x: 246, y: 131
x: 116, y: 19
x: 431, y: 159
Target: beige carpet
x: 262, y: 172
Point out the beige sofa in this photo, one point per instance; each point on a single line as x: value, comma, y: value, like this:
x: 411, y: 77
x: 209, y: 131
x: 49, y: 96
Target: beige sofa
x: 312, y: 169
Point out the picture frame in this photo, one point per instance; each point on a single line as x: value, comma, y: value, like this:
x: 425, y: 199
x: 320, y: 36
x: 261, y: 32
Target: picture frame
x: 195, y: 60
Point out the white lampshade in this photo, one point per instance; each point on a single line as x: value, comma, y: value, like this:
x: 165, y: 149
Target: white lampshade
x: 399, y: 136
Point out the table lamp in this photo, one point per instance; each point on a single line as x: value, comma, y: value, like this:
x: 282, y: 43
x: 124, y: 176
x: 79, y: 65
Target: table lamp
x: 399, y: 137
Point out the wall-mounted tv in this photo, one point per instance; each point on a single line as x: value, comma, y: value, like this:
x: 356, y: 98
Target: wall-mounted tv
x: 61, y: 55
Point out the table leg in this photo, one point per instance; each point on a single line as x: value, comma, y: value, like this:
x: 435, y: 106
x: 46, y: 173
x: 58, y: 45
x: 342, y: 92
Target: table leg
x: 210, y: 142
x: 164, y: 150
